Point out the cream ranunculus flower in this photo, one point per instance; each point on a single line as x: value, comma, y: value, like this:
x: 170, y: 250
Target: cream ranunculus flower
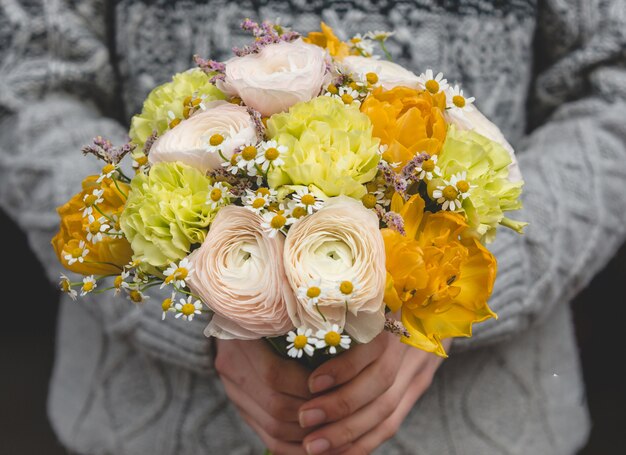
x: 472, y: 119
x: 187, y: 142
x: 339, y: 243
x: 278, y: 77
x: 390, y: 75
x: 239, y: 274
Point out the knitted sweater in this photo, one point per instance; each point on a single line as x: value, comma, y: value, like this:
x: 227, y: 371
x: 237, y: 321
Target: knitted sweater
x: 550, y: 73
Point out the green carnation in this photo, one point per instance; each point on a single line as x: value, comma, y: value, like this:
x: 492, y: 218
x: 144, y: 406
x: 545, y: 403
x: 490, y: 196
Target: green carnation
x: 330, y: 146
x: 485, y: 164
x: 166, y: 213
x: 170, y: 97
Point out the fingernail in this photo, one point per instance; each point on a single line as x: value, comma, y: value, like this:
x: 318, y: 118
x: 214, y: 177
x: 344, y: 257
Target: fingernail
x: 318, y: 446
x: 311, y: 417
x: 322, y: 382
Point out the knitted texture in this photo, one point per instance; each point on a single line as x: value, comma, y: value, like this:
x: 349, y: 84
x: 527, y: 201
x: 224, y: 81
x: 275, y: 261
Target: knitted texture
x: 551, y: 74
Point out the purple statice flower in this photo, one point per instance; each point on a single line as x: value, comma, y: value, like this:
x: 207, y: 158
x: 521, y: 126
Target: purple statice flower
x: 408, y: 170
x: 147, y: 146
x: 266, y: 33
x: 212, y: 67
x: 258, y: 123
x: 394, y: 221
x: 104, y: 150
x: 396, y: 328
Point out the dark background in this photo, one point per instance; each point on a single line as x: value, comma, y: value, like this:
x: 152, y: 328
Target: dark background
x: 27, y: 348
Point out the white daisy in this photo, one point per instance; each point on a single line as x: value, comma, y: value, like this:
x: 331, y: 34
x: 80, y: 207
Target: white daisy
x: 247, y: 159
x: 332, y: 338
x: 89, y: 284
x: 312, y: 292
x: 459, y: 181
x: 120, y: 282
x: 275, y: 222
x: 66, y: 286
x: 177, y: 274
x: 96, y: 228
x: 259, y: 199
x: 136, y: 296
x: 78, y: 254
x: 187, y: 309
x: 231, y: 165
x: 379, y: 35
x: 214, y: 143
x: 347, y: 289
x: 427, y: 169
x: 140, y: 163
x: 362, y: 44
x: 168, y: 305
x: 349, y: 96
x: 376, y: 200
x: 295, y: 209
x: 452, y: 193
x: 308, y: 200
x: 94, y: 198
x: 270, y: 153
x: 434, y: 84
x: 457, y: 101
x: 107, y: 172
x: 300, y: 342
x: 219, y: 195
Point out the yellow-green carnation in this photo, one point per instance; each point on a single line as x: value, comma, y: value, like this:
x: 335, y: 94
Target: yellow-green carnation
x: 166, y: 213
x: 330, y: 146
x: 487, y: 166
x: 170, y: 97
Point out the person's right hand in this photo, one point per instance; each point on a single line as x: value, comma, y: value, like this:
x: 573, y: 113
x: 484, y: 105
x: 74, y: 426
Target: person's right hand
x: 267, y: 390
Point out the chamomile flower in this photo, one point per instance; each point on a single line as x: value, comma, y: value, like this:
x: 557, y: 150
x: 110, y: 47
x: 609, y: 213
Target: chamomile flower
x: 331, y: 337
x: 271, y: 154
x: 347, y: 289
x: 136, y: 296
x: 232, y: 165
x: 89, y: 284
x: 433, y: 84
x: 187, y: 309
x: 177, y: 274
x: 66, y: 286
x: 375, y: 200
x: 107, y: 172
x: 168, y: 306
x: 94, y: 198
x: 312, y: 292
x: 362, y: 44
x: 308, y: 200
x: 295, y: 209
x: 259, y: 199
x: 459, y: 181
x: 275, y: 222
x: 96, y: 228
x: 301, y: 342
x: 448, y: 196
x: 120, y: 282
x: 457, y: 101
x: 348, y: 95
x: 140, y: 163
x: 247, y: 159
x: 214, y: 143
x: 427, y: 169
x: 219, y: 195
x: 78, y: 254
x: 379, y: 35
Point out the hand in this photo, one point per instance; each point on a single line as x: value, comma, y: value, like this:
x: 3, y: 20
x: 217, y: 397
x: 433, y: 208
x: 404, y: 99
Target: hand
x: 376, y: 385
x: 267, y: 390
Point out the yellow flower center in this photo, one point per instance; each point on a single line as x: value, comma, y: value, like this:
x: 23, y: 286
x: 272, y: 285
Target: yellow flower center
x: 347, y: 99
x: 233, y: 159
x: 249, y: 153
x: 332, y: 88
x: 135, y: 296
x: 428, y: 166
x: 174, y: 123
x: 166, y: 304
x: 432, y: 86
x: 371, y: 187
x: 313, y: 292
x: 450, y: 193
x: 371, y: 78
x: 298, y: 212
x: 308, y: 199
x: 216, y: 139
x: 458, y: 101
x: 94, y: 227
x: 186, y: 111
x: 263, y: 191
x: 235, y: 100
x: 65, y: 286
x: 353, y: 85
x: 278, y: 221
x: 332, y: 338
x: 91, y: 200
x: 118, y: 281
x: 369, y: 201
x: 188, y: 309
x: 463, y: 186
x: 271, y: 153
x: 179, y: 274
x: 77, y: 252
x: 300, y: 342
x: 216, y: 194
x: 88, y: 286
x: 346, y: 287
x: 142, y: 160
x: 108, y: 168
x: 187, y: 100
x: 196, y: 102
x: 258, y: 203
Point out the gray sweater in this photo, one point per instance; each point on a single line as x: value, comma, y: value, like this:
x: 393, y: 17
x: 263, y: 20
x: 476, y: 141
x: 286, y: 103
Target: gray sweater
x: 551, y: 74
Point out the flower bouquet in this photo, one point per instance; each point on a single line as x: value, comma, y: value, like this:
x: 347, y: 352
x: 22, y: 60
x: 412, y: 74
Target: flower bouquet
x: 304, y: 191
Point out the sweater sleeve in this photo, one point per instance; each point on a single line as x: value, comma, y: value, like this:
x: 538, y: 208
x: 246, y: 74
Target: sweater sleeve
x: 574, y: 165
x: 57, y: 91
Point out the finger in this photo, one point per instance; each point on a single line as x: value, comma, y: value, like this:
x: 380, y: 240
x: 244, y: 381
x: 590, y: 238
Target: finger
x: 342, y: 369
x: 284, y: 431
x: 275, y: 446
x: 366, y: 387
x: 353, y: 427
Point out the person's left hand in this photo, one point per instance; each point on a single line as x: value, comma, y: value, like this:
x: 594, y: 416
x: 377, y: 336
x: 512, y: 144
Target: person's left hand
x: 376, y: 385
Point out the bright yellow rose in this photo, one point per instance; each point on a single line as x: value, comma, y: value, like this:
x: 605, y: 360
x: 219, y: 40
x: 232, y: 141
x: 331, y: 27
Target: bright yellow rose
x: 106, y: 256
x: 408, y: 121
x: 328, y: 40
x: 439, y: 282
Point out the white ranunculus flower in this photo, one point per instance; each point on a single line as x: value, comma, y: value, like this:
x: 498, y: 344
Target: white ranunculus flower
x: 473, y: 119
x: 187, y: 142
x: 389, y: 74
x: 276, y: 78
x: 341, y: 242
x: 239, y: 274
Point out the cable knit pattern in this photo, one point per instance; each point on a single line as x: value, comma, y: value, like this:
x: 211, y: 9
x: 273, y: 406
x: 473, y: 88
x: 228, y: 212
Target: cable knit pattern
x: 127, y: 383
